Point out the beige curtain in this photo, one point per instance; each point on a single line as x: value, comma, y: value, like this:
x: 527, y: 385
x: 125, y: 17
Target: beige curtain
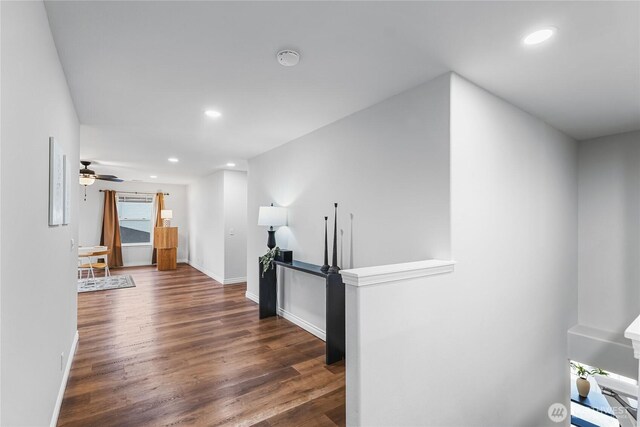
x: 111, y: 229
x: 159, y: 208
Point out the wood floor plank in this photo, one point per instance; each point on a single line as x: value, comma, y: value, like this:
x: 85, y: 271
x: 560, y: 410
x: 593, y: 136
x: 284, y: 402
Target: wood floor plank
x: 180, y: 349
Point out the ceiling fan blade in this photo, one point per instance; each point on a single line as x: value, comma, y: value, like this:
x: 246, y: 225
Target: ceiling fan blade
x: 105, y: 176
x: 108, y: 178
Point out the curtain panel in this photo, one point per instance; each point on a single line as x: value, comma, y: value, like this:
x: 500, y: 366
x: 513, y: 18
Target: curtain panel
x: 111, y: 229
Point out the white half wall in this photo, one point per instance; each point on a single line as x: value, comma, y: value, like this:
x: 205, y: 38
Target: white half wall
x: 454, y: 349
x: 38, y: 276
x: 217, y: 221
x: 609, y: 245
x: 388, y: 168
x: 91, y: 213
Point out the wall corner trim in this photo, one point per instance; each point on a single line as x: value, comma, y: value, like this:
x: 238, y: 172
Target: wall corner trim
x: 367, y: 276
x: 65, y: 378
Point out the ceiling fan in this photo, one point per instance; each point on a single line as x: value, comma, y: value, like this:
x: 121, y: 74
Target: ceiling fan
x: 88, y: 177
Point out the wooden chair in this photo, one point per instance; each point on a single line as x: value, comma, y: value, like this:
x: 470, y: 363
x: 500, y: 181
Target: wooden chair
x: 90, y: 265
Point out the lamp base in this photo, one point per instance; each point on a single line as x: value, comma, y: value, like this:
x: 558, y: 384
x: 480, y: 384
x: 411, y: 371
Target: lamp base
x: 166, y: 222
x: 271, y: 240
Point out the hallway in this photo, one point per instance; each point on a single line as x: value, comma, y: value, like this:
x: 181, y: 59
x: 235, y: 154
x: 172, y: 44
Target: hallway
x: 181, y: 349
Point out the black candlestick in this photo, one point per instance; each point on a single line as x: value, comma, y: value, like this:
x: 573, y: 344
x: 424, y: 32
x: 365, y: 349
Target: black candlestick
x: 325, y: 266
x: 334, y: 262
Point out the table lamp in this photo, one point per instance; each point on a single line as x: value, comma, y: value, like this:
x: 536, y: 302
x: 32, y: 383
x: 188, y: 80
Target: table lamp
x: 166, y: 215
x: 272, y: 216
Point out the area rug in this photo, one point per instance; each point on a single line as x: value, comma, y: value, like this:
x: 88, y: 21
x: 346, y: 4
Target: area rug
x: 105, y: 283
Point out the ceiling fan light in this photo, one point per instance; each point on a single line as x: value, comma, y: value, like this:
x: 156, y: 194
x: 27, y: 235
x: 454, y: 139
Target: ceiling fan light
x: 87, y: 180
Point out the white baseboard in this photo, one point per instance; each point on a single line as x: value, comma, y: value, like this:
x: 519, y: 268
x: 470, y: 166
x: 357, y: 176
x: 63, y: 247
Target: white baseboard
x: 298, y: 321
x: 209, y: 273
x: 215, y: 276
x: 65, y: 378
x: 302, y: 323
x: 146, y: 264
x: 253, y: 297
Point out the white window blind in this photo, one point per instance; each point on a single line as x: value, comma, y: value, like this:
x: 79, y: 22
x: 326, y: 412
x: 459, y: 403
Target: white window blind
x: 135, y: 198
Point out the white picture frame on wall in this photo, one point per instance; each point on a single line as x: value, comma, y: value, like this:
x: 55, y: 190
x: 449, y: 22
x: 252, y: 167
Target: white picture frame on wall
x: 56, y: 183
x: 66, y: 217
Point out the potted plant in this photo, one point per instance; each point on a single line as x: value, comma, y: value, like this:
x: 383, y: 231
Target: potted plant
x: 266, y: 260
x: 582, y: 383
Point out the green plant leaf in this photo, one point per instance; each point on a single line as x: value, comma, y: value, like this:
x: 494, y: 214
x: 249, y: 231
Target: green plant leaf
x: 267, y: 259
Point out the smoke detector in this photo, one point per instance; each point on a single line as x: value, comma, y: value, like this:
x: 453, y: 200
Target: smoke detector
x: 288, y: 58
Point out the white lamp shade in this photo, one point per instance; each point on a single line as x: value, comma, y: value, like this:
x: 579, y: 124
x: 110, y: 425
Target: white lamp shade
x: 166, y: 214
x: 87, y: 179
x: 272, y: 216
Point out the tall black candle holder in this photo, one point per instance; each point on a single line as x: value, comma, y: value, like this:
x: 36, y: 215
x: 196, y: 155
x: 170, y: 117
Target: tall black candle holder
x: 325, y: 266
x: 334, y: 261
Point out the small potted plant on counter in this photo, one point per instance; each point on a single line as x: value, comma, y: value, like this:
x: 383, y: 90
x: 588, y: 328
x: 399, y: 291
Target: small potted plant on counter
x: 582, y: 383
x: 266, y: 260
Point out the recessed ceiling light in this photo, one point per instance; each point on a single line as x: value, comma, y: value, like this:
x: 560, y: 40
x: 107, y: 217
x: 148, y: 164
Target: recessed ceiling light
x: 539, y: 36
x: 153, y: 176
x: 213, y: 114
x: 231, y: 164
x: 172, y: 159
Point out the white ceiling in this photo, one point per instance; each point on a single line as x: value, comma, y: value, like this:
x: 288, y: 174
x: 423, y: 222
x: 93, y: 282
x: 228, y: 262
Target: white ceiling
x: 142, y: 73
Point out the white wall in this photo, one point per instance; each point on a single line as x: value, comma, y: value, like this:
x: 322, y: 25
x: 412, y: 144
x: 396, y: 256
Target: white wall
x: 609, y: 244
x: 514, y: 234
x: 206, y: 225
x: 38, y: 274
x: 467, y: 347
x: 92, y: 210
x: 217, y: 209
x: 387, y: 167
x: 235, y: 226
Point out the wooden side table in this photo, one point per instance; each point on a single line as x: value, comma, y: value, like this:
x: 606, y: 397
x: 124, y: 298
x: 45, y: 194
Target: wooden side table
x: 165, y: 240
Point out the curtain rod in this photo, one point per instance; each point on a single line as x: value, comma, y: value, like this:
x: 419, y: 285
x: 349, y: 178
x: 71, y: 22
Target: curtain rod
x: 132, y: 192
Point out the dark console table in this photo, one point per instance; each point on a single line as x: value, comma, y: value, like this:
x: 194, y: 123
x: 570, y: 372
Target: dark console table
x: 334, y: 294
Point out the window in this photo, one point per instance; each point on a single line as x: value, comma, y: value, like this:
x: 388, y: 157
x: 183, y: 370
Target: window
x: 135, y: 213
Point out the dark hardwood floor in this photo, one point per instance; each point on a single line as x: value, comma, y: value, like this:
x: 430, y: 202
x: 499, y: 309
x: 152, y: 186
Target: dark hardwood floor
x: 181, y: 349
